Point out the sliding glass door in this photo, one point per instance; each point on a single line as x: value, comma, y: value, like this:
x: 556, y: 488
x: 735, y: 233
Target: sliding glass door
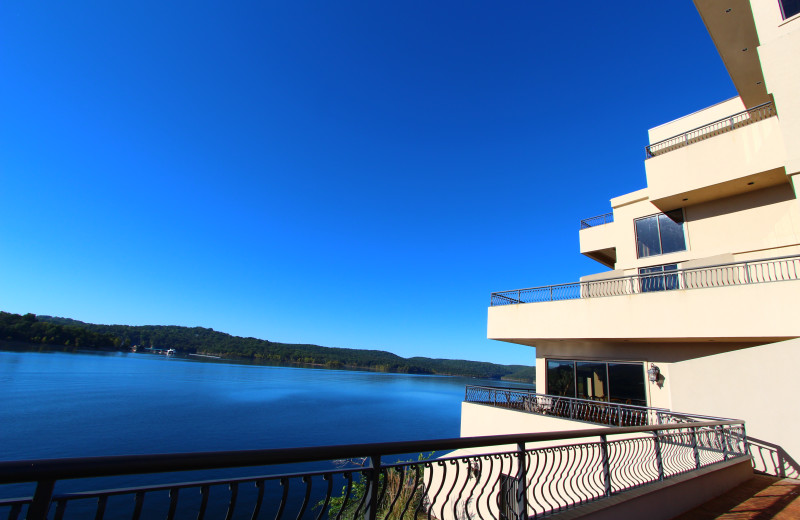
x: 616, y: 382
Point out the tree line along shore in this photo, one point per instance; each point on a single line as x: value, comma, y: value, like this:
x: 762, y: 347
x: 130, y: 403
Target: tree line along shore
x: 69, y: 334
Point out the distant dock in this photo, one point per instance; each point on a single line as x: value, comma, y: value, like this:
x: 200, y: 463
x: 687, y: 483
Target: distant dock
x: 205, y: 356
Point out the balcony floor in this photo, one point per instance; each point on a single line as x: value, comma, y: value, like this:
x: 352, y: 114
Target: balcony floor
x: 760, y: 498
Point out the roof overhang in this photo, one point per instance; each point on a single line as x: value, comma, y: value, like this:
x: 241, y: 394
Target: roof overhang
x: 733, y: 30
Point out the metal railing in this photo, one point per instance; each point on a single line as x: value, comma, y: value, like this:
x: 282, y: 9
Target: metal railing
x: 503, y: 476
x: 587, y: 410
x: 721, y: 126
x: 599, y: 220
x: 779, y: 269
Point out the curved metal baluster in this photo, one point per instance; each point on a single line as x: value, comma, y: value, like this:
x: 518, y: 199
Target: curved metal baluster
x: 137, y: 505
x: 483, y: 487
x: 461, y: 491
x: 203, y: 502
x: 425, y: 469
x: 173, y: 503
x: 558, y: 455
x: 13, y: 514
x: 536, y: 483
x: 307, y: 480
x: 401, y: 474
x: 259, y: 499
x: 60, y: 509
x: 364, y: 495
x: 455, y: 465
x: 569, y: 473
x: 349, y: 477
x: 328, y: 477
x: 441, y: 485
x: 476, y: 472
x: 382, y: 490
x: 234, y: 487
x: 101, y: 507
x: 413, y: 491
x: 285, y: 485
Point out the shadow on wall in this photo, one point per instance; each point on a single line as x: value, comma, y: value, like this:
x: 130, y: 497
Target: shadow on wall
x: 772, y: 459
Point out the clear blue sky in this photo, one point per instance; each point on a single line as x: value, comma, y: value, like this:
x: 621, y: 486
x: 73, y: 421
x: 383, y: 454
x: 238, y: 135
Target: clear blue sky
x: 353, y: 174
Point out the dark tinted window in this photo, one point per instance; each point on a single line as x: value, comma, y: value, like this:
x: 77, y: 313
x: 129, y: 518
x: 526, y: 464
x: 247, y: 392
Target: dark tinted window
x: 626, y: 383
x: 671, y: 228
x: 561, y: 378
x: 592, y: 380
x: 599, y: 381
x: 647, y: 242
x: 656, y: 278
x: 660, y: 234
x: 789, y: 7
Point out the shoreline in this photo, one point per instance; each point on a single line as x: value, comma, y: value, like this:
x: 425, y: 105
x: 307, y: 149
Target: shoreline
x: 17, y: 346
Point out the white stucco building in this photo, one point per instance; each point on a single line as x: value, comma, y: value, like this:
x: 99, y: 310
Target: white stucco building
x: 704, y: 286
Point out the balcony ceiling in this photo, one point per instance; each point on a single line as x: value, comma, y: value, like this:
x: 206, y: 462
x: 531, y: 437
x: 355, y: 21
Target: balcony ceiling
x: 731, y: 26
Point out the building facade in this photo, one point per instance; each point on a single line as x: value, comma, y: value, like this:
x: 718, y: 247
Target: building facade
x: 700, y: 311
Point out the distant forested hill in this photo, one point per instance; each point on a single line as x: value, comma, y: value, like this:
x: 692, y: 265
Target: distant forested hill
x: 199, y: 340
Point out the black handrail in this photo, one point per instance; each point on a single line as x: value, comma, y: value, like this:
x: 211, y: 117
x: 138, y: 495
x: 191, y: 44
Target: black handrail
x: 90, y: 467
x: 413, y: 487
x: 585, y: 410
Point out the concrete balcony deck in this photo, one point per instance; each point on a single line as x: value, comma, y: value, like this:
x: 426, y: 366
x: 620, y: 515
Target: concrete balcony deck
x: 598, y: 239
x: 740, y: 153
x: 739, y: 305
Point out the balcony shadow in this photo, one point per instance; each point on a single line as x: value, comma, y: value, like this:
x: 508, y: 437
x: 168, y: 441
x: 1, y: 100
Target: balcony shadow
x: 771, y: 459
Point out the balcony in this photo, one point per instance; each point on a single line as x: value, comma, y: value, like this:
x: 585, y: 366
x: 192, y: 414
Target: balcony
x: 721, y: 126
x: 585, y: 410
x: 746, y: 302
x: 740, y: 153
x: 503, y: 476
x: 597, y: 239
x: 599, y: 220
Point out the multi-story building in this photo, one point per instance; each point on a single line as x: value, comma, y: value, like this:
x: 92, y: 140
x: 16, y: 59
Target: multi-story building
x: 700, y: 311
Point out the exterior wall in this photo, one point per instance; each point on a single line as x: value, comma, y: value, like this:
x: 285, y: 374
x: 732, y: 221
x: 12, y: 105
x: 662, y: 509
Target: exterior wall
x: 780, y: 46
x: 758, y: 385
x: 766, y: 221
x: 664, y: 356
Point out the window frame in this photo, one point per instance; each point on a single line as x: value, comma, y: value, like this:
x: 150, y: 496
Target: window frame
x: 657, y: 216
x: 783, y: 11
x: 642, y: 364
x: 664, y: 283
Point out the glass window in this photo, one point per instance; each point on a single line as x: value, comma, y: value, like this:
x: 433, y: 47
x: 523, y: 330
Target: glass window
x: 660, y: 234
x: 596, y: 380
x: 626, y: 383
x: 789, y: 8
x: 591, y: 380
x: 670, y: 226
x: 655, y: 278
x: 647, y: 241
x: 561, y: 378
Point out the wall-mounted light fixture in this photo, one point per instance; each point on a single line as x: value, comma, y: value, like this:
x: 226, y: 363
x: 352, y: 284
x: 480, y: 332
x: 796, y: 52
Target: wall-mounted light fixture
x: 652, y: 373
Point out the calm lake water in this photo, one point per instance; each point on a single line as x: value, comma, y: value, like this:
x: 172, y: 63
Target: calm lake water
x: 87, y: 404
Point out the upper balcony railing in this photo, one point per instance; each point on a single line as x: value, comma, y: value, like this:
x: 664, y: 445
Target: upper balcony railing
x: 778, y: 269
x: 721, y: 126
x: 587, y: 410
x: 502, y: 476
x: 599, y: 220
